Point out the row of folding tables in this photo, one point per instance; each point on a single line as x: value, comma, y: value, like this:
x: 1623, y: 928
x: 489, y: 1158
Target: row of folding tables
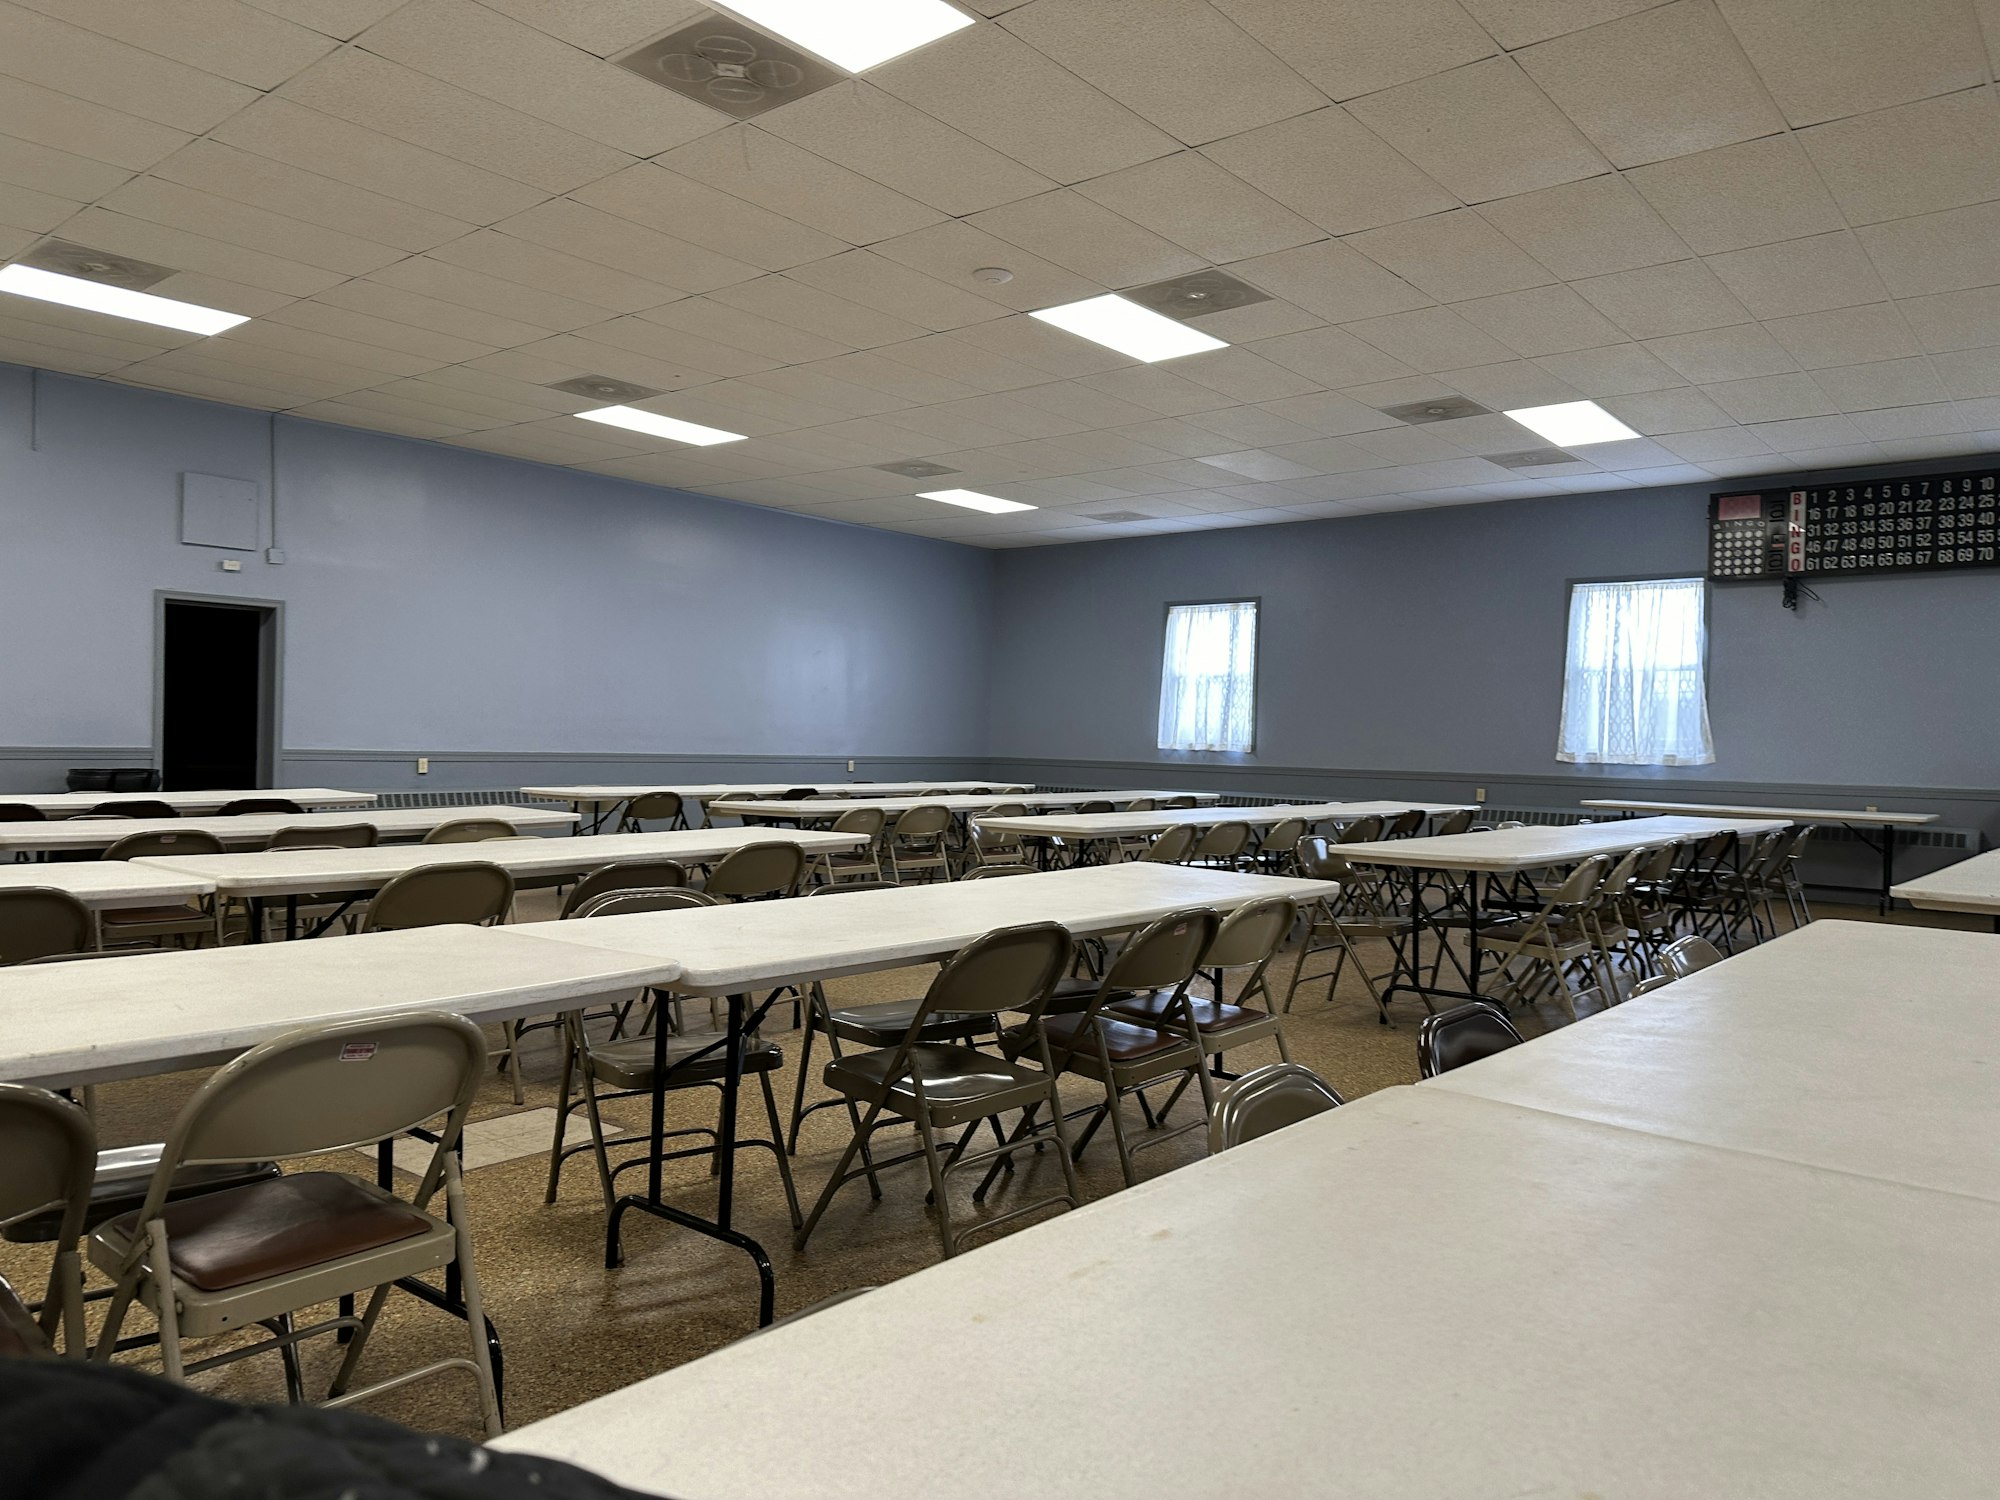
x: 600, y: 802
x: 72, y: 804
x: 254, y: 830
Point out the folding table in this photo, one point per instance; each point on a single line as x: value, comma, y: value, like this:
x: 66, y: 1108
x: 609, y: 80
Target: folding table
x: 734, y: 951
x: 1971, y: 885
x: 254, y: 830
x: 605, y: 800
x: 69, y: 804
x: 1117, y: 825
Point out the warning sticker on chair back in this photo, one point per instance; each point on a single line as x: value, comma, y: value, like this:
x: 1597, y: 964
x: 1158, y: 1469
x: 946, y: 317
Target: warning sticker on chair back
x: 357, y: 1051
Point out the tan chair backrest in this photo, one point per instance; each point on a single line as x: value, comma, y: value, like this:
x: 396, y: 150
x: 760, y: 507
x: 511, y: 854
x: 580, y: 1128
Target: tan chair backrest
x: 48, y: 1155
x: 441, y: 894
x: 1012, y: 969
x: 1164, y: 953
x: 1317, y: 861
x: 1180, y: 801
x: 640, y: 875
x: 1361, y: 831
x: 1280, y: 837
x: 1171, y: 847
x: 1453, y: 822
x: 628, y: 903
x: 150, y: 845
x: 1583, y: 882
x: 340, y: 836
x: 850, y: 887
x: 991, y: 872
x: 1624, y: 873
x: 471, y: 831
x: 1267, y: 1099
x: 767, y: 869
x: 654, y: 807
x: 863, y: 820
x: 330, y: 1088
x: 1141, y: 804
x: 1689, y: 955
x: 41, y: 922
x: 927, y: 821
x: 1223, y: 841
x: 1406, y: 823
x: 1251, y: 933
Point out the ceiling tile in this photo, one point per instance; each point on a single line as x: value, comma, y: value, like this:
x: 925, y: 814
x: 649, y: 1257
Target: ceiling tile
x: 797, y: 305
x: 1946, y: 252
x: 1717, y: 442
x: 162, y: 202
x: 1683, y: 297
x: 1955, y: 320
x: 1333, y: 281
x: 70, y: 60
x: 1483, y: 131
x: 223, y: 37
x: 1723, y: 353
x: 624, y: 244
x: 1332, y: 357
x: 1243, y: 375
x: 448, y: 282
x: 360, y: 157
x: 1041, y: 346
x: 1077, y: 233
x: 1517, y: 23
x: 1800, y: 276
x: 393, y: 305
x: 955, y: 359
x: 695, y: 357
x: 1157, y: 390
x: 365, y: 328
x: 890, y: 287
x: 335, y: 18
x: 1588, y: 228
x: 1826, y: 58
x: 1770, y: 398
x: 306, y: 344
x: 1331, y: 169
x: 1658, y: 413
x: 342, y: 414
x: 1542, y: 320
x: 1738, y: 196
x: 531, y: 265
x: 1452, y: 256
x: 1806, y: 433
x: 32, y: 113
x: 878, y: 135
x: 49, y: 170
x: 1661, y: 83
x: 1911, y: 423
x: 1915, y: 159
x: 364, y: 89
x: 1257, y: 320
x: 953, y: 250
x: 600, y: 26
x: 845, y: 396
x: 1198, y: 205
x: 1845, y: 336
x: 1431, y: 338
x: 165, y: 245
x: 1881, y: 383
x: 998, y: 89
x: 1510, y: 385
x: 1352, y: 47
x: 755, y: 165
x: 702, y: 215
x: 1138, y: 52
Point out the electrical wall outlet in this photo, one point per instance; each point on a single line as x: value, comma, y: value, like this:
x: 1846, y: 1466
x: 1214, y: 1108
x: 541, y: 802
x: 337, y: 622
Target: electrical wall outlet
x: 850, y: 768
x: 1479, y: 794
x: 423, y: 765
x: 230, y: 565
x: 1872, y: 808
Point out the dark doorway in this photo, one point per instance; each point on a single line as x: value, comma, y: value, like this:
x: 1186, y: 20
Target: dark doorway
x: 216, y: 687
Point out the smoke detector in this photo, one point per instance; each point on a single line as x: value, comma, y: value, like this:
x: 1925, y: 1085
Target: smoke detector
x: 1440, y: 409
x: 1196, y: 295
x: 604, y: 388
x: 730, y: 65
x: 916, y: 468
x: 1533, y: 458
x: 993, y: 275
x: 86, y: 264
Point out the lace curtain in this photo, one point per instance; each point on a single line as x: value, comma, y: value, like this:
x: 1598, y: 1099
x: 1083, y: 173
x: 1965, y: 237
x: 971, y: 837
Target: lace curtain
x: 1208, y: 680
x: 1634, y: 692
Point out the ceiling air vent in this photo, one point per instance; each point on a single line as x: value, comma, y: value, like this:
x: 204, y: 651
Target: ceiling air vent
x: 916, y: 468
x: 1442, y: 409
x: 604, y: 388
x: 731, y: 66
x: 66, y: 259
x: 1196, y: 294
x: 1533, y: 458
x: 1120, y: 515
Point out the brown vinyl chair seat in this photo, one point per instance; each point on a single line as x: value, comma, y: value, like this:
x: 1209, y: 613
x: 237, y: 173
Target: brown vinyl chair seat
x: 1123, y: 1041
x: 1075, y: 994
x: 118, y: 1186
x: 887, y: 1022
x: 277, y: 1227
x: 1156, y: 1008
x: 949, y: 1075
x: 628, y: 1065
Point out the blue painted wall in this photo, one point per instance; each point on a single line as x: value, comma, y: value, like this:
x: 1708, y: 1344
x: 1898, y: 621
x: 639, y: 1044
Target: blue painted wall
x: 440, y: 600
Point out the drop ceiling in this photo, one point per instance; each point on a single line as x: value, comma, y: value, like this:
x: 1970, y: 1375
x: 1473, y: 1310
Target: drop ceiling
x: 1763, y: 233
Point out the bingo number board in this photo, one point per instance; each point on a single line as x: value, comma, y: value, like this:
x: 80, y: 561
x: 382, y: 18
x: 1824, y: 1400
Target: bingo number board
x: 1917, y: 524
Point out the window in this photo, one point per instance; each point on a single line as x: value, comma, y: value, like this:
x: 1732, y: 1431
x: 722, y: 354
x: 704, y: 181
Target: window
x: 1633, y: 688
x: 1208, y: 677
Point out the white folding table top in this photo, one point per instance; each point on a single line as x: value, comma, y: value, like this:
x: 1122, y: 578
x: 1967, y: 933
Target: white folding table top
x: 828, y: 808
x: 292, y: 872
x: 1856, y: 1046
x: 597, y: 796
x: 254, y: 830
x: 1494, y: 1302
x: 1119, y: 824
x: 156, y: 1012
x: 1499, y: 850
x: 107, y: 884
x: 1789, y: 814
x: 754, y: 945
x: 68, y: 804
x: 1970, y: 885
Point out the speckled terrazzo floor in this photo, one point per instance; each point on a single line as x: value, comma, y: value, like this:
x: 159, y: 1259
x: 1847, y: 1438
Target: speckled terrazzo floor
x: 573, y: 1330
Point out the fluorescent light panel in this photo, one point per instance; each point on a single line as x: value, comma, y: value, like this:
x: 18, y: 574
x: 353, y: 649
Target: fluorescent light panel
x: 1119, y: 323
x: 856, y: 34
x: 993, y: 505
x: 655, y: 425
x: 1573, y: 424
x: 115, y: 301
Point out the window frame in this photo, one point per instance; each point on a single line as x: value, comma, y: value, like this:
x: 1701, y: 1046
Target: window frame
x: 1167, y: 608
x: 1648, y: 768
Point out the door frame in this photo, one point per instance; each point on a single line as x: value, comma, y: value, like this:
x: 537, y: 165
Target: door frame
x: 270, y: 672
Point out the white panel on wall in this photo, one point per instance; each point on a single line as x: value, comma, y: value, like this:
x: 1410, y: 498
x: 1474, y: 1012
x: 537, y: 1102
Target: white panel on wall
x: 219, y: 512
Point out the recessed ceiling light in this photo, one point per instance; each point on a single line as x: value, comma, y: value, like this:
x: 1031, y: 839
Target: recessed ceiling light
x: 993, y: 505
x: 659, y: 426
x: 857, y: 34
x: 1573, y: 424
x: 1119, y: 323
x: 117, y: 301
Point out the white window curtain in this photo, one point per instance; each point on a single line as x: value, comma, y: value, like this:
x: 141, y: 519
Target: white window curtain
x: 1208, y: 679
x: 1634, y: 692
